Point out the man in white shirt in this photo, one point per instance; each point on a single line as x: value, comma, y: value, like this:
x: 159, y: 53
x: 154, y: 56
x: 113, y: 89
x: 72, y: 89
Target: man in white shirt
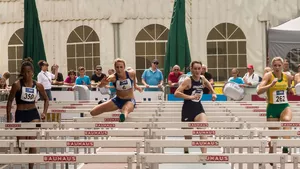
x: 45, y: 78
x: 251, y: 79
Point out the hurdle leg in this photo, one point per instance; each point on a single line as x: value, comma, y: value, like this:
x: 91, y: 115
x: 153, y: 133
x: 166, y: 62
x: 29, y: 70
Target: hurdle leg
x: 249, y: 165
x: 295, y: 160
x: 138, y: 151
x: 22, y: 152
x: 62, y: 165
x: 76, y: 151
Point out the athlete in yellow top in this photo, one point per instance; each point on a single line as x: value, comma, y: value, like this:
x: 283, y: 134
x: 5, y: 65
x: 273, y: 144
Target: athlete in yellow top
x: 276, y: 83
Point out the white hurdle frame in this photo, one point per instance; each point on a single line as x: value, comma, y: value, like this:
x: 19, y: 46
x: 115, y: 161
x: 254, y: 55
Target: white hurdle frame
x: 149, y: 119
x: 117, y: 157
x: 156, y: 158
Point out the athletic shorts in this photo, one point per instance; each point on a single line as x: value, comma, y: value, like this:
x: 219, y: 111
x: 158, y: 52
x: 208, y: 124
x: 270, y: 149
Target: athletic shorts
x: 275, y: 110
x: 189, y: 112
x: 121, y: 102
x: 27, y: 115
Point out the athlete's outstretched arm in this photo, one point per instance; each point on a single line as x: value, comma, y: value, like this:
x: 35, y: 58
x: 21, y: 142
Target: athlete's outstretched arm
x: 106, y: 80
x: 179, y: 92
x: 263, y: 87
x: 41, y: 89
x: 11, y: 97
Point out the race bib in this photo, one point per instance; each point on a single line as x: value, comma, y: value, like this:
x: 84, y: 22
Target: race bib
x: 123, y: 85
x: 28, y: 94
x: 197, y: 92
x: 279, y: 97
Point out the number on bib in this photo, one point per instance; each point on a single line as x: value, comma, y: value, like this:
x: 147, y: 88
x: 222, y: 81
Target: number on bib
x: 28, y: 94
x: 279, y: 97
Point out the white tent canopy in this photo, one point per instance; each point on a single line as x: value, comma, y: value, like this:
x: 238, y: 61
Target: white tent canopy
x: 285, y: 38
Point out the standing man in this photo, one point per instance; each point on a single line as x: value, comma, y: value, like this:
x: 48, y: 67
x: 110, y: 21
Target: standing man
x: 152, y: 77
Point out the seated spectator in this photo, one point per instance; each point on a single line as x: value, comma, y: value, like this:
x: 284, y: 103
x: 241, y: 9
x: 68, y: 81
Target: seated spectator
x: 83, y: 79
x: 235, y: 73
x: 173, y: 78
x: 251, y: 78
x: 152, y: 77
x: 70, y: 80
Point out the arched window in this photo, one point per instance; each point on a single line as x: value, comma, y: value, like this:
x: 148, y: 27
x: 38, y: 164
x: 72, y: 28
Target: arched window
x: 294, y: 59
x: 150, y: 43
x: 83, y: 49
x: 15, y: 54
x: 226, y: 49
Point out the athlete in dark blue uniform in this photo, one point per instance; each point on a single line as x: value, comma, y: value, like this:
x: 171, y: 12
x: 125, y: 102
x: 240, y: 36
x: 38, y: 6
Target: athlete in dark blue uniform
x: 191, y: 90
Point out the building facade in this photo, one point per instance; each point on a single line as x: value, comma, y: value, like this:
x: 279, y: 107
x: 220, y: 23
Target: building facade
x: 222, y: 33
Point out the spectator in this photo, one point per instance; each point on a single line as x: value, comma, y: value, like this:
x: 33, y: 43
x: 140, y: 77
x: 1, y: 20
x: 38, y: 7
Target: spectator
x: 3, y: 83
x: 209, y: 77
x: 97, y: 77
x: 45, y: 78
x: 235, y: 73
x: 173, y: 78
x: 82, y: 79
x: 297, y: 76
x: 3, y: 80
x: 59, y: 79
x: 70, y: 80
x: 286, y: 67
x: 152, y: 77
x: 111, y: 85
x: 251, y: 78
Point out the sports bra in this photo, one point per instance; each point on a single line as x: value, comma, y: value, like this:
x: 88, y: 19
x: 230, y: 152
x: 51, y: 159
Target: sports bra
x: 26, y: 95
x: 125, y: 84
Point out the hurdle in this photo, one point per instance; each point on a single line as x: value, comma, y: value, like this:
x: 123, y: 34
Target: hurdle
x: 74, y: 158
x: 260, y: 119
x: 97, y: 133
x: 278, y: 124
x: 20, y: 133
x: 76, y: 144
x: 98, y: 125
x: 11, y: 144
x: 156, y: 158
x: 149, y: 119
x: 155, y: 133
x: 40, y: 125
x: 209, y: 143
x: 291, y: 143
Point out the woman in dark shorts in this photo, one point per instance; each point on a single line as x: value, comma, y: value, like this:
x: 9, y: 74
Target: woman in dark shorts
x: 191, y: 90
x: 25, y: 91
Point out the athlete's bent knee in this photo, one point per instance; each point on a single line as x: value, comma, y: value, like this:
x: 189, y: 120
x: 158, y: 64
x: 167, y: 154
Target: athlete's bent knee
x: 94, y: 113
x: 286, y: 118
